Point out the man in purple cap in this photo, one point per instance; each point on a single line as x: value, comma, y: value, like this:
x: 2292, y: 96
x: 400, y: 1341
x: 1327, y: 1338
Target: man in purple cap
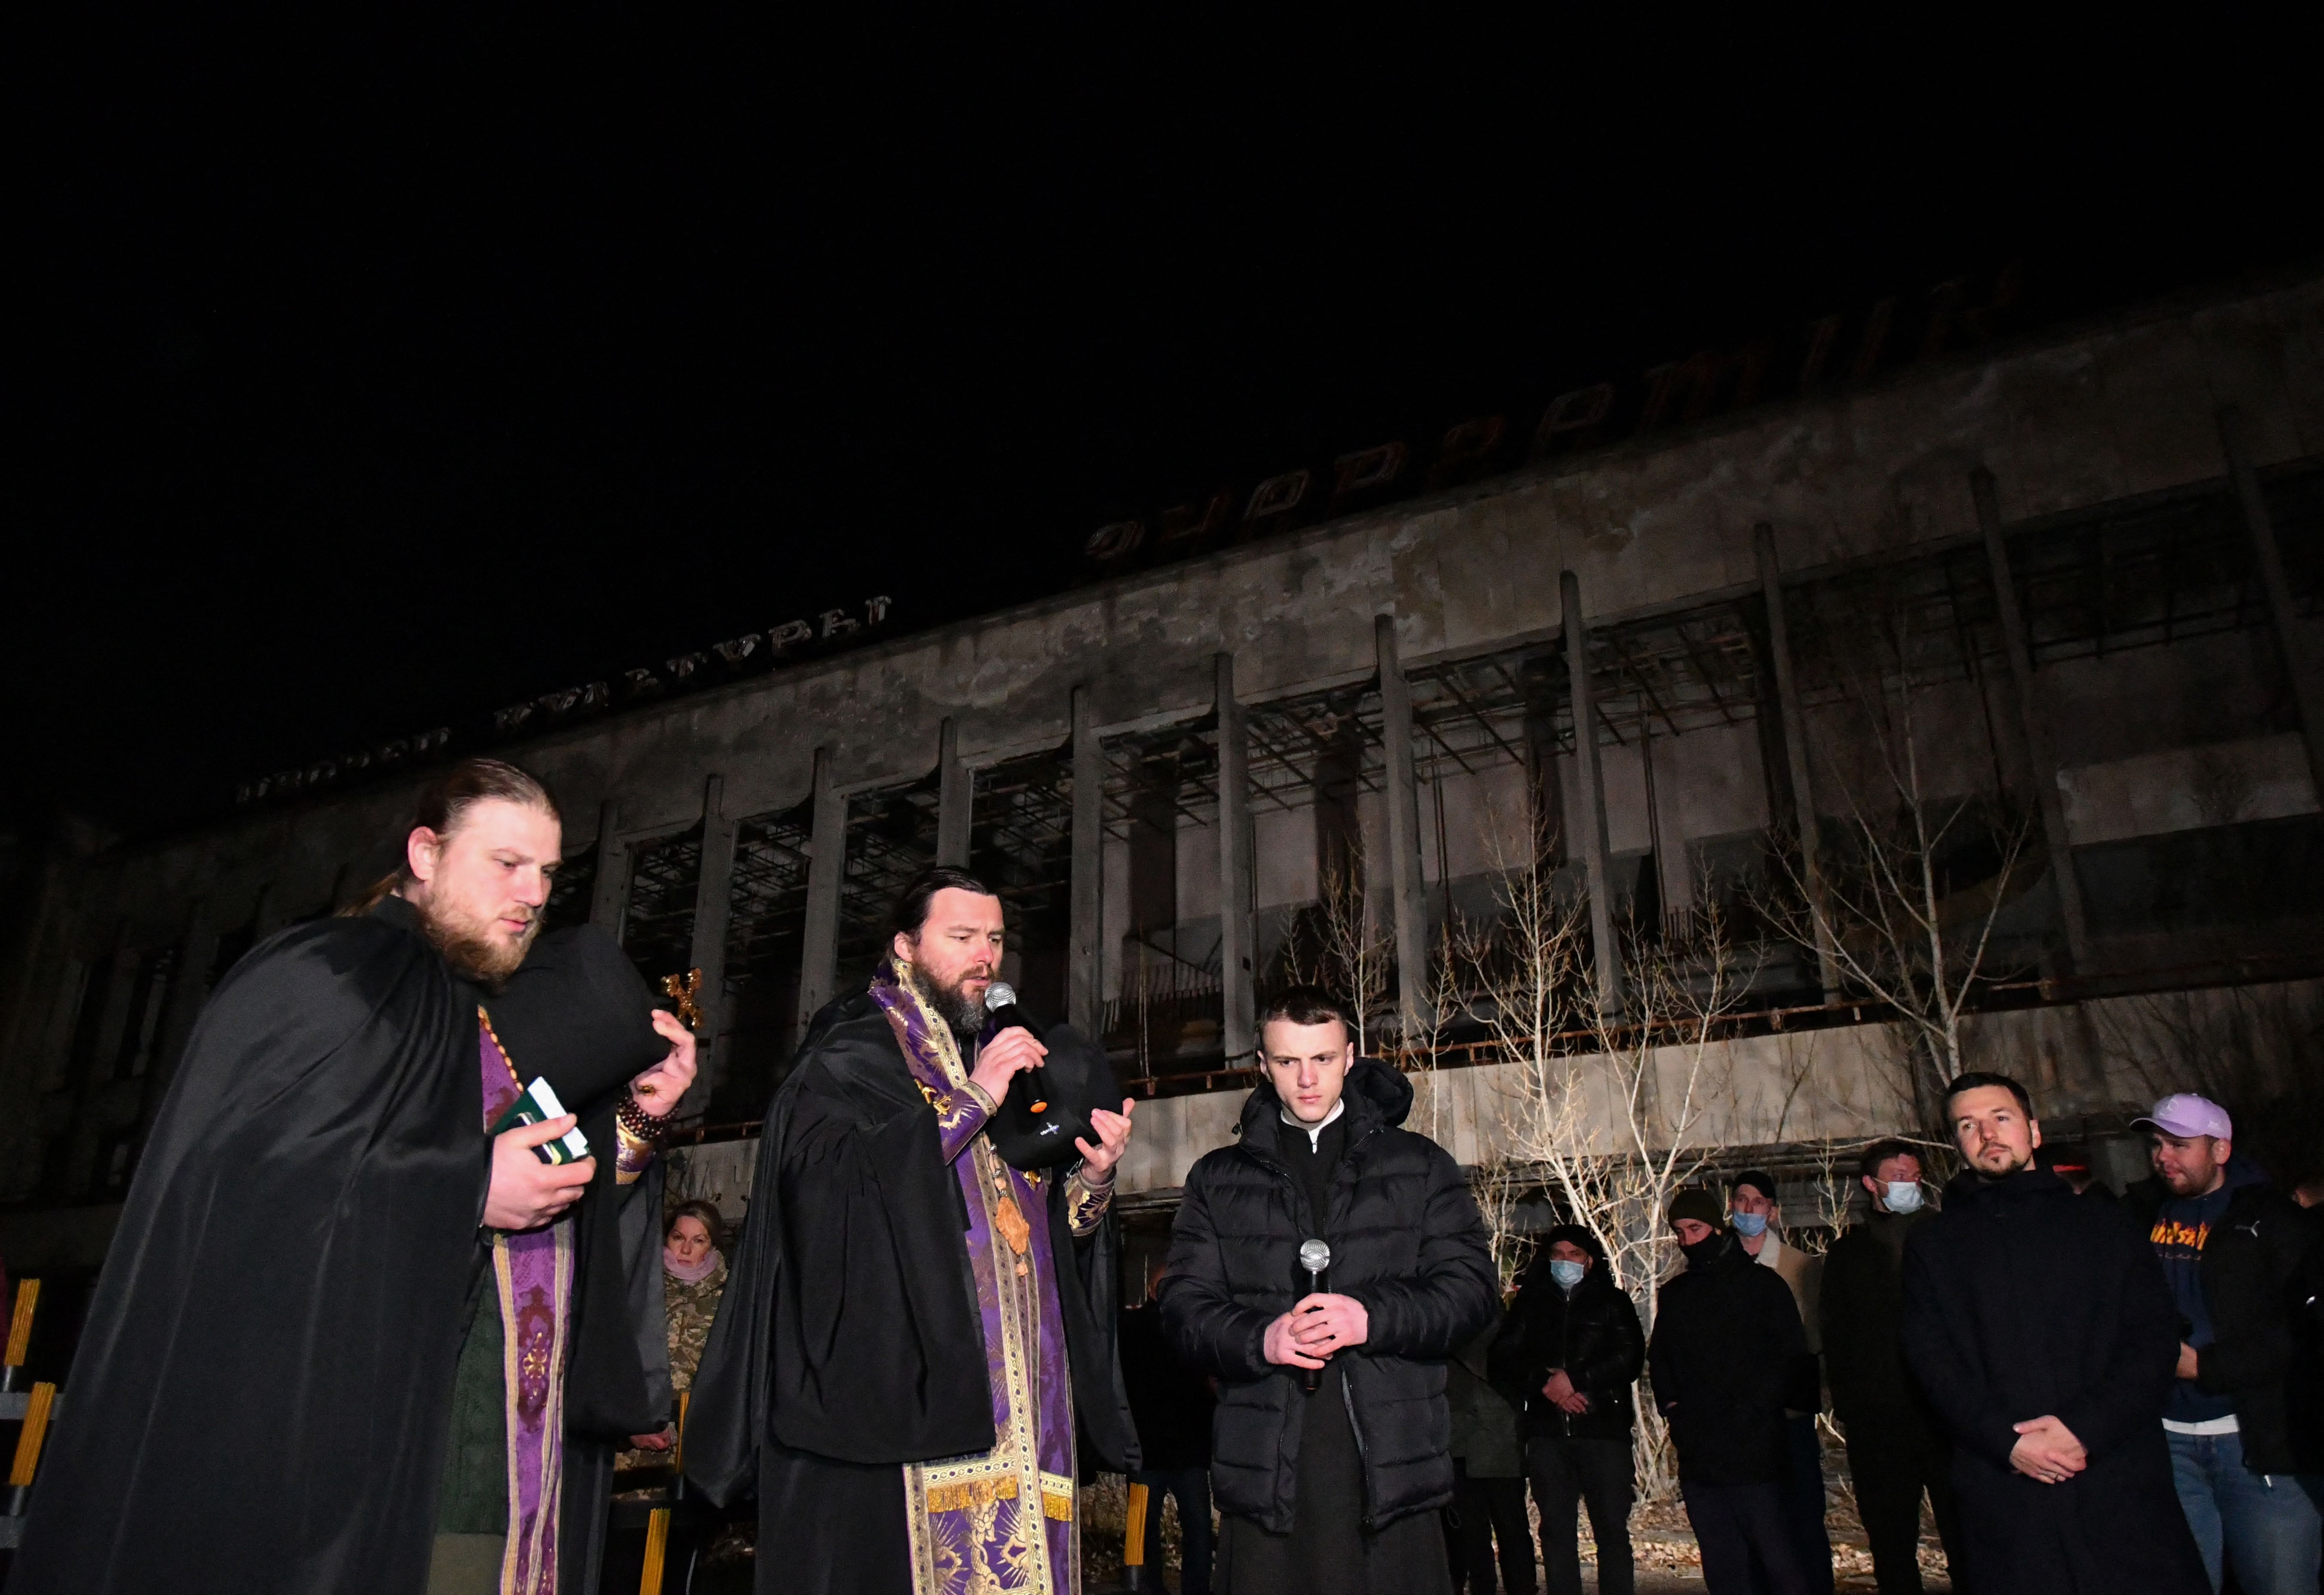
x: 2230, y: 1246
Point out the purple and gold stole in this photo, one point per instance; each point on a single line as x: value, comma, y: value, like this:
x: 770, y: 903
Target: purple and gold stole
x: 1001, y: 1521
x: 533, y: 1274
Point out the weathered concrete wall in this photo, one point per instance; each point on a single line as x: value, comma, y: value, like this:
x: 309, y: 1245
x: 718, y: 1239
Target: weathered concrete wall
x: 2083, y: 419
x: 1841, y: 1085
x: 2098, y: 418
x: 1833, y: 1086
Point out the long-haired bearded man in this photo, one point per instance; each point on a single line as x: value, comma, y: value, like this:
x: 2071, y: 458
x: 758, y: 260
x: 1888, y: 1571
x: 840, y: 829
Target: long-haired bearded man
x: 346, y: 1339
x: 916, y: 1344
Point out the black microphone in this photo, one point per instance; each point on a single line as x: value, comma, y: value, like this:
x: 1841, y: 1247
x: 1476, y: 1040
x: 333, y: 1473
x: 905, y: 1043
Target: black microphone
x: 1000, y: 1002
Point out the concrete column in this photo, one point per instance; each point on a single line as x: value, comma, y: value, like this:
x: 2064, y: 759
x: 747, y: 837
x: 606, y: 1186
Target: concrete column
x: 1237, y: 940
x: 1592, y: 796
x: 956, y: 798
x: 2041, y: 755
x: 1547, y: 798
x: 1407, y: 891
x: 712, y: 906
x: 1796, y: 754
x: 2295, y: 642
x: 1085, y: 972
x: 826, y: 869
x: 609, y: 897
x: 189, y: 991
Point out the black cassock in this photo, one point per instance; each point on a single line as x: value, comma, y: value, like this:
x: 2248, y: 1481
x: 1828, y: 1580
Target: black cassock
x: 848, y: 1342
x: 261, y: 1398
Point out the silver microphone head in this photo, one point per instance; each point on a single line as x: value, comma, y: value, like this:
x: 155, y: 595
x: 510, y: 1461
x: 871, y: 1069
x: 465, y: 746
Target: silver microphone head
x: 998, y: 995
x: 1314, y: 1256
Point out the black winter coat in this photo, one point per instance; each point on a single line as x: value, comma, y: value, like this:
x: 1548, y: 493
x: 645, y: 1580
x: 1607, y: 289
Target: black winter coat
x: 1727, y: 1347
x: 1862, y: 1305
x: 1593, y: 1335
x: 1407, y: 1242
x: 2247, y: 1268
x: 2023, y: 1300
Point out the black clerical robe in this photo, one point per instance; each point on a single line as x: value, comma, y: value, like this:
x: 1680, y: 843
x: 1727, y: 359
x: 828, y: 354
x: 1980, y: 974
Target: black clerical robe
x: 260, y: 1400
x: 849, y: 1341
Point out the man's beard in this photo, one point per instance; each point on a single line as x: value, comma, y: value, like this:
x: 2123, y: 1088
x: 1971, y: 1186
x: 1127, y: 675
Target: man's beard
x: 476, y: 953
x: 962, y: 1012
x: 2017, y: 1165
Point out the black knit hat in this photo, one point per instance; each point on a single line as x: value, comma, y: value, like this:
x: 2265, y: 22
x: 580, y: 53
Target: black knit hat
x: 1699, y: 1205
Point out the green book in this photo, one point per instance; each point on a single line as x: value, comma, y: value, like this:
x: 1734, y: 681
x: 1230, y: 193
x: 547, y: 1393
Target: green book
x: 538, y: 1104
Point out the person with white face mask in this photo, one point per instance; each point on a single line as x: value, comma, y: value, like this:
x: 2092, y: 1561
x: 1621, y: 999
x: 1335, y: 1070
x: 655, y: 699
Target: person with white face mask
x: 1894, y: 1450
x: 1755, y: 1216
x: 1568, y: 1356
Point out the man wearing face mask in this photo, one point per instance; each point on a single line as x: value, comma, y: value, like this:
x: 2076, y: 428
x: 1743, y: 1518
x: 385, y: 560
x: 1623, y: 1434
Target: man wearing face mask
x: 1757, y: 1218
x: 2045, y: 1337
x: 1724, y: 1356
x: 1571, y: 1353
x: 1893, y: 1450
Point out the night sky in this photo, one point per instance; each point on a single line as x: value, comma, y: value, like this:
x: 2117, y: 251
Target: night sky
x: 365, y: 381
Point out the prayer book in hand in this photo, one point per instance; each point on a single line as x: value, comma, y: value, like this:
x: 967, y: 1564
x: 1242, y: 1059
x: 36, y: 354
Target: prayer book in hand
x: 538, y: 1104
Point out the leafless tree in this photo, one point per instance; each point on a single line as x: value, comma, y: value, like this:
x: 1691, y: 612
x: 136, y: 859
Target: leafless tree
x: 1346, y: 955
x: 1604, y: 1107
x: 1884, y: 906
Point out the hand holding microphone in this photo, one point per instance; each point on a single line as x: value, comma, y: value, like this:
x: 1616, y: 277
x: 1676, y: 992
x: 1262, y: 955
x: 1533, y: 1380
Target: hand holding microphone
x: 1014, y: 1049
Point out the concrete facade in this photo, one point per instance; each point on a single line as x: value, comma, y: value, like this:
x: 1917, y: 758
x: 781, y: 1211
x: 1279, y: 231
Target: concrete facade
x: 2190, y: 736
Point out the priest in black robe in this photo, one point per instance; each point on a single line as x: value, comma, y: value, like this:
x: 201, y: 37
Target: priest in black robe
x: 918, y: 1335
x: 263, y: 1400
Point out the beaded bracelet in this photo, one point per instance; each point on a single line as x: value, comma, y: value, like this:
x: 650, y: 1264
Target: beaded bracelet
x: 636, y: 1119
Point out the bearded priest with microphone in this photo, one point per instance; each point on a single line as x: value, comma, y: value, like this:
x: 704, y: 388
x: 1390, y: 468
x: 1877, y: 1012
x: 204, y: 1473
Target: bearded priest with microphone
x: 915, y: 1342
x: 1323, y: 1268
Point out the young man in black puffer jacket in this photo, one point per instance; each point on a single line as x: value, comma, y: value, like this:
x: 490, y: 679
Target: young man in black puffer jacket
x: 1568, y: 1357
x: 1333, y: 1492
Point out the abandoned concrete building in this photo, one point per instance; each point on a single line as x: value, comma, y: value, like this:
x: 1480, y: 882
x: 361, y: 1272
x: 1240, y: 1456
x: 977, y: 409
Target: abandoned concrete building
x: 2088, y: 562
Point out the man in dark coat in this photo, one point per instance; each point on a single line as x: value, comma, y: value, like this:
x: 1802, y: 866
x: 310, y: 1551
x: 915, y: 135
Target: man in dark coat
x: 2229, y: 1247
x: 1488, y: 1479
x: 1172, y: 1404
x: 1728, y: 1354
x: 1330, y: 1487
x: 2045, y: 1337
x: 1570, y: 1356
x: 265, y: 1397
x: 1894, y: 1450
x: 918, y: 1335
x: 2303, y: 1392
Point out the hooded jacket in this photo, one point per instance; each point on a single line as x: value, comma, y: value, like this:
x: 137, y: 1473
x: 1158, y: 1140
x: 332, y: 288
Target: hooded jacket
x: 2248, y: 1263
x: 1593, y: 1334
x: 1407, y: 1242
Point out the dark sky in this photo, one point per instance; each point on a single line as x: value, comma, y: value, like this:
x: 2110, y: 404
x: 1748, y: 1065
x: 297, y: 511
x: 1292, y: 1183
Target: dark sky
x: 362, y: 381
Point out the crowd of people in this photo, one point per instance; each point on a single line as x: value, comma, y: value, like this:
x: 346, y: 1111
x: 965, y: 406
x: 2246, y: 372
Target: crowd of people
x: 912, y: 1356
x: 2091, y: 1393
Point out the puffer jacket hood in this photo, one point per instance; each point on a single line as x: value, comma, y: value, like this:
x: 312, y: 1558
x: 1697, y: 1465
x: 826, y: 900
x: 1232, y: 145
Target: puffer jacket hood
x: 1375, y: 1095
